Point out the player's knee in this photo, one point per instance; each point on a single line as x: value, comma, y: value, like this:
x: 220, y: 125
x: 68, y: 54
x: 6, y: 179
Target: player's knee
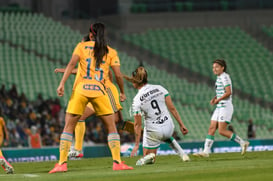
x: 212, y: 130
x: 222, y: 132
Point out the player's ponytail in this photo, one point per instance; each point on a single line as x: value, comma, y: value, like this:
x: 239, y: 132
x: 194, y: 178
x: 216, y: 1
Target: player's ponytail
x: 100, y: 48
x: 139, y: 76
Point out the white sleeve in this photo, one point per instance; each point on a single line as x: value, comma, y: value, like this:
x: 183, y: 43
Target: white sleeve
x: 136, y: 106
x: 165, y: 91
x: 226, y: 80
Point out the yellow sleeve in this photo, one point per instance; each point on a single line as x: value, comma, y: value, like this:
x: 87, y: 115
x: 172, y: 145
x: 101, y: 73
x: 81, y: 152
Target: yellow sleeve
x: 114, y: 58
x: 78, y: 50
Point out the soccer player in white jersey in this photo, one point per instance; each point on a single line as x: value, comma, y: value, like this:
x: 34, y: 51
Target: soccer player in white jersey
x: 154, y: 103
x: 222, y: 114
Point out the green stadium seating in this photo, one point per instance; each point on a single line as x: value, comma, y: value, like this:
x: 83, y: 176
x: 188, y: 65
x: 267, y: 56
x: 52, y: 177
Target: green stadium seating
x: 40, y: 34
x: 195, y: 48
x: 192, y: 101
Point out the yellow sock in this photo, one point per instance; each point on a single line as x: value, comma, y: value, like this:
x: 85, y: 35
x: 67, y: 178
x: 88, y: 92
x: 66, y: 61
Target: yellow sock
x: 79, y: 134
x: 1, y: 154
x: 65, y: 144
x: 114, y: 145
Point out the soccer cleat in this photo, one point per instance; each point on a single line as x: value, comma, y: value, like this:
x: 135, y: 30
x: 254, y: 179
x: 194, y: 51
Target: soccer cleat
x: 6, y: 165
x: 75, y: 154
x: 121, y: 166
x: 201, y: 154
x: 148, y: 159
x: 185, y: 158
x: 244, y: 147
x: 59, y: 168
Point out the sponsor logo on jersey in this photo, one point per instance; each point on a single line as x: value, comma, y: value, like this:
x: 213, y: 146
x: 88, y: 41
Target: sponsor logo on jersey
x: 147, y: 94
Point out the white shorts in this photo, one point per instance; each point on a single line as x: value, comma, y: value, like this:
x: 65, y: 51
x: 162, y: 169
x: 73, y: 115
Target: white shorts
x: 153, y: 138
x: 223, y: 113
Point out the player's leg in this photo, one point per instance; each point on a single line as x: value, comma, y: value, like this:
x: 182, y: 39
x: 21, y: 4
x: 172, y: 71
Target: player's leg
x: 225, y: 119
x: 104, y: 110
x: 80, y: 131
x: 209, y: 140
x: 148, y: 158
x: 168, y: 131
x: 178, y: 149
x: 75, y: 109
x: 5, y: 164
x: 150, y: 146
x: 113, y: 95
x: 210, y: 137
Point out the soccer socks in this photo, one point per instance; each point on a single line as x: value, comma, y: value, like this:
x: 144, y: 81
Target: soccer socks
x: 1, y: 154
x: 208, y: 143
x: 174, y: 145
x: 79, y: 135
x: 237, y: 139
x: 114, y: 145
x: 65, y: 144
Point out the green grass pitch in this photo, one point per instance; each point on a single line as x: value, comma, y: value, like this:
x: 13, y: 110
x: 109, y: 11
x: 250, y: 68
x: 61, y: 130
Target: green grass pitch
x: 256, y: 166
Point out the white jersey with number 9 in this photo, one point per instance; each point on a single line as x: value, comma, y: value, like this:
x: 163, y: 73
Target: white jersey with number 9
x: 150, y: 102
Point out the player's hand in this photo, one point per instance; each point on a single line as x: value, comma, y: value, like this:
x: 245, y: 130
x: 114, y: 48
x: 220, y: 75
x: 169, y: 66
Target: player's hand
x: 184, y: 130
x: 122, y: 97
x: 216, y: 101
x: 60, y: 90
x: 57, y: 70
x: 212, y: 101
x: 134, y: 151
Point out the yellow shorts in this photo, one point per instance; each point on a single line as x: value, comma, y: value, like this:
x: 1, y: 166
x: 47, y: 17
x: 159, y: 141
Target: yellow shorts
x: 77, y: 103
x: 113, y: 94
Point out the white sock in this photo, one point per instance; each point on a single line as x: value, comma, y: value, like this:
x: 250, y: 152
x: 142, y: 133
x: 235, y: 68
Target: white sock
x: 177, y: 147
x: 237, y: 139
x: 208, y: 144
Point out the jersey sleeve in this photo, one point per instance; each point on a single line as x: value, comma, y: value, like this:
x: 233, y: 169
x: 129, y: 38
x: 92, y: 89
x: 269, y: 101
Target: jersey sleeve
x: 114, y: 58
x: 136, y: 107
x: 226, y: 81
x: 165, y: 91
x: 77, y: 50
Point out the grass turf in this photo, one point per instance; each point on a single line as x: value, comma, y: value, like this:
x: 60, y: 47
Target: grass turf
x: 225, y: 166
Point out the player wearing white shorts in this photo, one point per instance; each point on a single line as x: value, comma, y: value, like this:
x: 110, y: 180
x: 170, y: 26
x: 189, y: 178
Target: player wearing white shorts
x: 154, y: 103
x: 222, y: 114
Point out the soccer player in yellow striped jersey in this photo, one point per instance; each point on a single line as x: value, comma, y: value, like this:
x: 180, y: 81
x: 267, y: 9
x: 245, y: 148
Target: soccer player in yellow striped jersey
x: 89, y: 111
x: 222, y: 114
x: 94, y: 58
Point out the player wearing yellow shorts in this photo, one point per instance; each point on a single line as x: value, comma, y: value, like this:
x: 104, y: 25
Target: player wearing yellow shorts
x: 113, y: 95
x: 94, y: 59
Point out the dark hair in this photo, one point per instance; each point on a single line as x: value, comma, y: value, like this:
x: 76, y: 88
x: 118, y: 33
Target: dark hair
x: 100, y: 49
x: 222, y: 63
x: 139, y: 76
x: 86, y: 38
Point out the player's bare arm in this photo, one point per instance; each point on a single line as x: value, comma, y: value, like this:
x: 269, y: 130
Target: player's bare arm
x: 137, y: 127
x: 119, y: 79
x: 62, y: 70
x: 68, y: 70
x: 176, y: 115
